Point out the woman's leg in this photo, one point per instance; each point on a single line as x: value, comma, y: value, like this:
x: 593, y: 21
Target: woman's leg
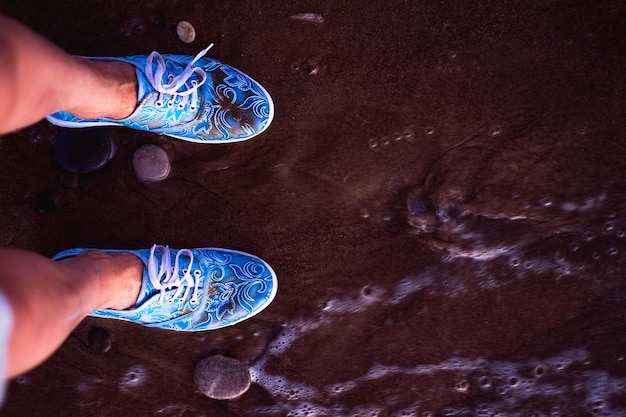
x: 49, y: 298
x: 38, y: 78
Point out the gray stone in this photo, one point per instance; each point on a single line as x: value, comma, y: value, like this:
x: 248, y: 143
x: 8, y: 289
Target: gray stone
x: 151, y: 163
x: 98, y: 340
x: 222, y: 378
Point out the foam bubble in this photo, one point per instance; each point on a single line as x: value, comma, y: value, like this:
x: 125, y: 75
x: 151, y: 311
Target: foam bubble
x: 609, y: 227
x: 462, y: 386
x: 282, y: 341
x: 306, y: 409
x: 546, y: 201
x: 513, y: 381
x: 484, y: 382
x: 539, y: 371
x: 408, y: 134
x: 134, y: 377
x: 407, y: 412
x: 22, y: 380
x: 495, y: 130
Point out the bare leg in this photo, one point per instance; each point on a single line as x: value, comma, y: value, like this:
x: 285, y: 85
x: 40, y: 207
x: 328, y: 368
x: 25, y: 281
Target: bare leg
x: 49, y: 298
x: 37, y: 78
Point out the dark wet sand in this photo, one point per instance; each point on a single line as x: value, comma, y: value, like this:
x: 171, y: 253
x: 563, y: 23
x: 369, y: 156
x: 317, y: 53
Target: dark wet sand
x: 441, y: 194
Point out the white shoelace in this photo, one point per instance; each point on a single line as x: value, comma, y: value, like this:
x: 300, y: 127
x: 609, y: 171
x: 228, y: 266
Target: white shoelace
x: 163, y: 277
x: 175, y: 83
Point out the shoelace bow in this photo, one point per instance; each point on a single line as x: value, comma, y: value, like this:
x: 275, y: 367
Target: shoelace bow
x: 164, y: 277
x: 176, y: 83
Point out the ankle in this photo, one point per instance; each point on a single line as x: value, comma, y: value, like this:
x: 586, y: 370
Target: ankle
x: 111, y: 90
x: 120, y: 280
x: 113, y: 279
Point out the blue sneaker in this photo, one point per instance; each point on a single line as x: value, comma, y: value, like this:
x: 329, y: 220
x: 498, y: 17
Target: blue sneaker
x: 195, y: 99
x: 195, y: 289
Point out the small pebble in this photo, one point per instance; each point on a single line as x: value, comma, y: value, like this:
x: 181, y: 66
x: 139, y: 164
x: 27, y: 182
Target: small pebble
x: 98, y: 340
x: 416, y: 202
x: 222, y: 378
x: 85, y: 150
x: 151, y: 163
x: 185, y: 31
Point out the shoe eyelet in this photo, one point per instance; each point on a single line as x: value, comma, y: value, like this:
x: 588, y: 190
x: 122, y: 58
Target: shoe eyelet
x: 181, y: 106
x: 170, y: 77
x: 170, y: 301
x: 170, y: 104
x: 193, y: 301
x: 192, y: 108
x: 185, y: 270
x: 159, y: 303
x: 158, y: 103
x: 196, y: 273
x: 194, y: 83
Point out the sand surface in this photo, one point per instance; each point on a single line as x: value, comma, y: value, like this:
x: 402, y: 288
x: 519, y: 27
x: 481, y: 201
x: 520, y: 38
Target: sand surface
x: 441, y: 194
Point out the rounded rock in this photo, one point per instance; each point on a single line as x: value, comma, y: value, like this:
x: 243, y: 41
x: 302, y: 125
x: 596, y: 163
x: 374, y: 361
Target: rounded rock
x: 84, y: 151
x: 151, y: 163
x: 185, y: 31
x: 98, y: 340
x: 222, y: 378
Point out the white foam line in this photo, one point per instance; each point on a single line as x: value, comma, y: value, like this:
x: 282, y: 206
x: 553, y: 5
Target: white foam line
x: 352, y: 304
x: 480, y: 254
x: 309, y: 17
x: 378, y: 371
x: 301, y: 400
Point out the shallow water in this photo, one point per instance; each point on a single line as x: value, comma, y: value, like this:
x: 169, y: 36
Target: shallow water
x: 441, y: 195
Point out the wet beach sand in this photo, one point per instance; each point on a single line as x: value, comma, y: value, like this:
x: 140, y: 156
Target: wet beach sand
x: 441, y: 194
